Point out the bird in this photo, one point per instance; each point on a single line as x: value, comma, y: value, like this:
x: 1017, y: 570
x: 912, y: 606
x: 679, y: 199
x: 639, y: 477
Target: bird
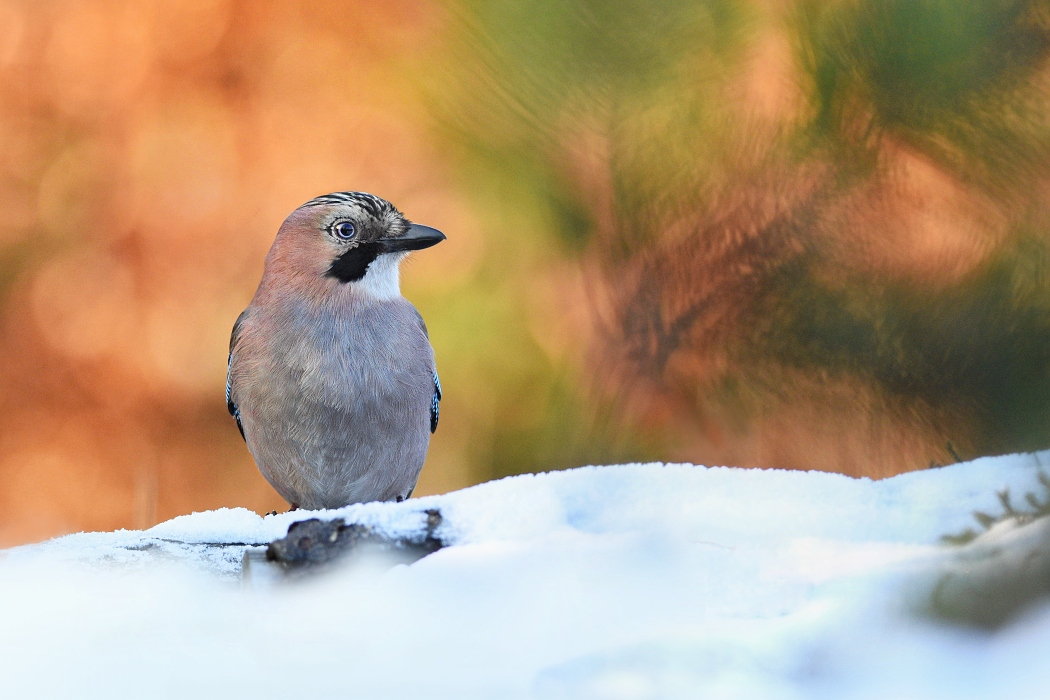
x: 331, y: 376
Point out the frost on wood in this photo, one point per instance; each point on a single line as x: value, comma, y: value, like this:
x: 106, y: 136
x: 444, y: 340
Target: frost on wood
x: 1034, y: 508
x: 993, y: 577
x: 315, y: 543
x: 996, y: 577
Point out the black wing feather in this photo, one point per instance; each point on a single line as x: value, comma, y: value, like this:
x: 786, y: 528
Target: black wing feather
x: 230, y: 405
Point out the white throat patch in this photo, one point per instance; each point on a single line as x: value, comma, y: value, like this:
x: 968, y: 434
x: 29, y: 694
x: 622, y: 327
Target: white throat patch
x: 382, y: 278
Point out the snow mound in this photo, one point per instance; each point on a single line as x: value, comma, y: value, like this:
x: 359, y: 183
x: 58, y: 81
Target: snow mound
x: 635, y: 581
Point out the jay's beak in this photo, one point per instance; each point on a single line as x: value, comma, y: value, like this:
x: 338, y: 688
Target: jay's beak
x: 418, y: 237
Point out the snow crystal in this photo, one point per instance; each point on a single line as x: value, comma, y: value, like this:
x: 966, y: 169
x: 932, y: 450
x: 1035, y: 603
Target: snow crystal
x: 633, y: 581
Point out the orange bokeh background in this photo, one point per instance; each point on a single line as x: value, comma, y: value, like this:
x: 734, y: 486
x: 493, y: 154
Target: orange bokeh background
x: 807, y: 235
x: 149, y: 150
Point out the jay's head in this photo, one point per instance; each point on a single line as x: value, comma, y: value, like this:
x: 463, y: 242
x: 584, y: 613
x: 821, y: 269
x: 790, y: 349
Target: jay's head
x: 351, y: 237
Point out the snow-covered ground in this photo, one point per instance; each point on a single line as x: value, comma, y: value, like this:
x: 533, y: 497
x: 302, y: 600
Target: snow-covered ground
x: 638, y: 581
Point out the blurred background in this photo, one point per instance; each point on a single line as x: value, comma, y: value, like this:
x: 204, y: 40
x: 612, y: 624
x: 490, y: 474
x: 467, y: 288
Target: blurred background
x: 796, y: 234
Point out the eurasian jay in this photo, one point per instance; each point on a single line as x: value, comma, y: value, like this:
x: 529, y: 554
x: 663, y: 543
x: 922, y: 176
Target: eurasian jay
x: 331, y: 376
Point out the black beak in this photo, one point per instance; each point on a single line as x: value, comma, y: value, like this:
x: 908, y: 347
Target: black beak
x: 418, y: 237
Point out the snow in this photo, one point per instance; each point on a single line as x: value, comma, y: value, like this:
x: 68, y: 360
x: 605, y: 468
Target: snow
x: 617, y: 583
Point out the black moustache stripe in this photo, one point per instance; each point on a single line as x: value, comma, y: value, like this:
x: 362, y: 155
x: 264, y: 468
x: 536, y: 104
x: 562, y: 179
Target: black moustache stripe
x: 353, y: 264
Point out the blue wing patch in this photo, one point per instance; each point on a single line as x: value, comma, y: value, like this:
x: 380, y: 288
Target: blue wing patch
x: 435, y: 399
x: 435, y: 403
x: 231, y: 406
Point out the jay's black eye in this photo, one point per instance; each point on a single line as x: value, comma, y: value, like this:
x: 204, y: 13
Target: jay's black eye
x: 344, y: 230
